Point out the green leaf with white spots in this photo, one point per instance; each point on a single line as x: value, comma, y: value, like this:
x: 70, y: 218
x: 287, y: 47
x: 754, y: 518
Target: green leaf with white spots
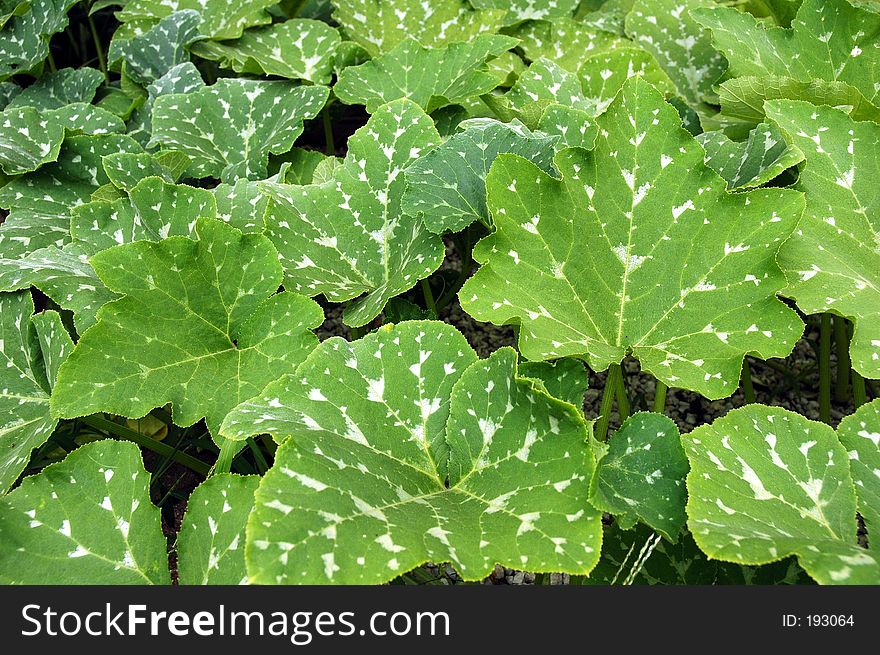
x: 24, y: 40
x: 476, y: 466
x: 298, y: 49
x: 126, y: 169
x: 566, y: 42
x: 603, y: 262
x: 63, y: 87
x: 348, y: 236
x: 832, y: 261
x: 221, y: 19
x: 546, y: 82
x: 829, y: 40
x: 215, y: 333
x: 519, y: 10
x: 742, y: 99
x: 183, y: 78
x: 28, y: 139
x: 681, y: 46
x: 765, y: 484
x: 379, y: 26
x: 860, y: 435
x: 150, y: 55
x: 566, y: 379
x: 603, y: 75
x: 641, y: 476
x: 31, y: 349
x: 8, y: 92
x: 574, y: 127
x: 447, y: 186
x: 228, y: 129
x: 210, y: 545
x: 431, y: 77
x: 85, y: 520
x: 751, y: 163
x: 83, y: 118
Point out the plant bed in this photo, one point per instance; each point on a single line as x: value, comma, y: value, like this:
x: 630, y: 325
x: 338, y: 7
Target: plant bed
x: 362, y: 292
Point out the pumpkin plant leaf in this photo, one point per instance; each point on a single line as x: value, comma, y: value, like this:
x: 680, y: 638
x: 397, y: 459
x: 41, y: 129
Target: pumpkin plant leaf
x: 183, y: 78
x: 229, y: 128
x: 750, y: 163
x: 28, y: 139
x: 830, y: 40
x: 832, y: 261
x: 564, y: 41
x: 566, y: 379
x: 210, y: 545
x: 860, y: 435
x: 86, y: 520
x: 447, y: 186
x: 31, y: 349
x: 532, y: 10
x: 431, y: 77
x: 221, y: 19
x: 63, y: 87
x: 603, y: 75
x: 348, y: 235
x: 641, y: 475
x: 197, y: 327
x: 380, y: 26
x: 24, y: 39
x: 298, y: 49
x: 346, y: 502
x: 766, y: 483
x: 603, y: 262
x: 150, y: 55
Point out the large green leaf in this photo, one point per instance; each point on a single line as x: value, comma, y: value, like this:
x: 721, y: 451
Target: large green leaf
x: 518, y: 10
x: 471, y: 465
x: 197, y: 327
x: 150, y: 55
x: 296, y: 49
x: 431, y: 77
x: 604, y: 74
x: 544, y: 83
x: 85, y: 520
x: 832, y: 261
x: 447, y: 187
x: 830, y: 40
x: 348, y: 235
x: 229, y: 128
x: 210, y: 545
x: 63, y: 87
x: 641, y: 475
x: 766, y: 483
x: 379, y: 26
x: 24, y: 39
x: 860, y: 435
x: 564, y: 41
x: 753, y: 162
x: 31, y: 349
x: 183, y: 78
x: 28, y: 139
x: 681, y: 46
x: 637, y: 249
x: 566, y: 379
x: 221, y: 19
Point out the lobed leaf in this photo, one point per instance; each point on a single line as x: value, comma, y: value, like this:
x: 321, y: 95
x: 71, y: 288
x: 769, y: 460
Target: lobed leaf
x: 860, y: 435
x: 221, y: 19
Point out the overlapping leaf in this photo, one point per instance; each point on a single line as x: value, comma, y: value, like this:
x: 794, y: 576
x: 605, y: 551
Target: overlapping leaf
x: 60, y: 88
x: 198, y: 327
x: 31, y: 349
x: 447, y: 187
x: 860, y: 435
x: 637, y: 249
x: 28, y: 139
x: 832, y: 261
x: 210, y: 545
x: 518, y: 10
x: 753, y: 162
x: 566, y: 42
x: 85, y: 520
x: 431, y: 77
x: 766, y: 483
x: 348, y: 235
x: 566, y: 379
x: 641, y: 475
x: 229, y: 128
x: 603, y: 75
x: 379, y: 26
x: 296, y: 49
x: 221, y: 19
x: 183, y: 78
x: 347, y: 502
x: 24, y: 39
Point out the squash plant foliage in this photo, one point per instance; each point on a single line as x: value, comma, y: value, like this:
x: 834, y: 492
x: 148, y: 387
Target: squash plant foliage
x: 251, y: 248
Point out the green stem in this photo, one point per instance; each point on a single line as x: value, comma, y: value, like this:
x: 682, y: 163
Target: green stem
x: 607, y: 401
x: 841, y: 347
x: 660, y: 397
x: 825, y: 369
x: 102, y: 60
x: 358, y: 332
x: 51, y: 60
x: 860, y: 395
x: 328, y: 132
x: 467, y: 264
x: 295, y: 8
x: 501, y: 110
x: 430, y: 305
x: 541, y: 579
x: 260, y: 459
x: 748, y: 389
x: 228, y: 450
x: 106, y: 425
x: 622, y: 397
